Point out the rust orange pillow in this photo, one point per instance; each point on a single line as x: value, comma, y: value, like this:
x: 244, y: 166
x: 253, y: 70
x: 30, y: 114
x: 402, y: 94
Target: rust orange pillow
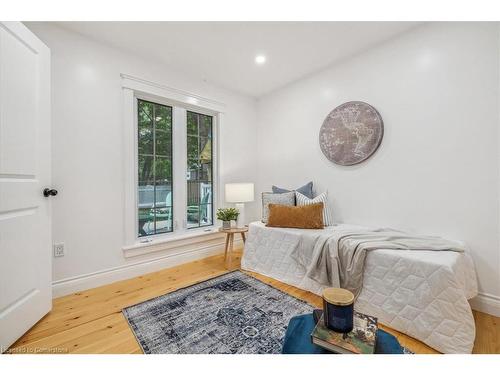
x: 305, y: 217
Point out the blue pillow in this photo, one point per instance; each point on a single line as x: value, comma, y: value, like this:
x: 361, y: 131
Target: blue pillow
x: 307, y: 190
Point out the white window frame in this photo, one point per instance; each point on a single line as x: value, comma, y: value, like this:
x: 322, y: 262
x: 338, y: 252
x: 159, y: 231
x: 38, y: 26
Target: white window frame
x: 134, y: 88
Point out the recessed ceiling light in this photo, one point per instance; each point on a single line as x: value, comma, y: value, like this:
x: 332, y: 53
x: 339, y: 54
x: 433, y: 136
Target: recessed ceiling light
x: 260, y: 59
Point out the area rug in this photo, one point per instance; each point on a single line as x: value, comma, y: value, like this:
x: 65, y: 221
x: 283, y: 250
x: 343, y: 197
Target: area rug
x: 233, y: 313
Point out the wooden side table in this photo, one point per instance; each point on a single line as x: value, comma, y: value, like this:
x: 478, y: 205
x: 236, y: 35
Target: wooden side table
x: 228, y: 251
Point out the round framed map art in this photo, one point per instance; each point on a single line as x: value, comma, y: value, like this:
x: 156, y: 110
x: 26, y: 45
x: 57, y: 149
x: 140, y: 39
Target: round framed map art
x: 351, y: 133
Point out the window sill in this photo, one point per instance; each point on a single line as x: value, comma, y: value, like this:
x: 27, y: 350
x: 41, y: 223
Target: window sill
x: 179, y: 241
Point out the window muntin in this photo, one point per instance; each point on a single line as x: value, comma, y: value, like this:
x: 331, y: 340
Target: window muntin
x: 199, y: 170
x: 155, y: 193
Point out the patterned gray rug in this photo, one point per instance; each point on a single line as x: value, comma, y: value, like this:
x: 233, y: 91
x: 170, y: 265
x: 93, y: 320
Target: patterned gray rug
x: 233, y: 313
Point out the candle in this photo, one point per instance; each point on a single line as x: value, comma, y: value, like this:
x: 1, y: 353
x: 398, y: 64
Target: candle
x: 338, y: 309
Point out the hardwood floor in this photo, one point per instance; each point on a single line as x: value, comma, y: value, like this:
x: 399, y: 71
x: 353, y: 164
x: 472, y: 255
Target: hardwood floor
x: 91, y: 321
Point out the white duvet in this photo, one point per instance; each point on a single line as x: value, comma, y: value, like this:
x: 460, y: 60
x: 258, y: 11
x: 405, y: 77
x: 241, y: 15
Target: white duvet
x: 423, y: 294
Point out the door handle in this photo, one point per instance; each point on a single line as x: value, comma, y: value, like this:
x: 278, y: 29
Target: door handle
x: 49, y: 192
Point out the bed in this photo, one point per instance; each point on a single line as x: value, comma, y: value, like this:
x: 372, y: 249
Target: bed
x: 423, y: 294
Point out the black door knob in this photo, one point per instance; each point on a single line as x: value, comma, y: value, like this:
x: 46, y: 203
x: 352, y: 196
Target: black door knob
x: 49, y: 192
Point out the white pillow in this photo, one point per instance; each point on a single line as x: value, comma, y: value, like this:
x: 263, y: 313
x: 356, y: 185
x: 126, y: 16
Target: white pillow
x: 287, y: 199
x: 302, y: 200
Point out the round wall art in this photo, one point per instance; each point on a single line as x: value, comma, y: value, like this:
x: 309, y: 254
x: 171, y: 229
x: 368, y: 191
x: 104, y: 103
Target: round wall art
x: 351, y: 133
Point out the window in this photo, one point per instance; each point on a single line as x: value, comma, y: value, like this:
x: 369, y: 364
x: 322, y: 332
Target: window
x: 155, y: 193
x: 173, y: 142
x: 170, y: 152
x: 199, y: 170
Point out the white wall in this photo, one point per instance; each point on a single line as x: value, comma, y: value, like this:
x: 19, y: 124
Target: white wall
x: 88, y: 152
x: 436, y: 172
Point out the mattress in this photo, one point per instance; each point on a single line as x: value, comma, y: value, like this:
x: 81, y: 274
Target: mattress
x: 423, y: 294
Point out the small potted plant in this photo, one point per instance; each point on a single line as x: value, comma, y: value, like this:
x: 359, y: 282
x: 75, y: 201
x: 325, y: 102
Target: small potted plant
x: 226, y: 215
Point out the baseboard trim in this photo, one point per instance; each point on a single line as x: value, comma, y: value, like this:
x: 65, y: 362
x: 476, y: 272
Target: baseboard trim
x: 486, y: 303
x: 75, y: 284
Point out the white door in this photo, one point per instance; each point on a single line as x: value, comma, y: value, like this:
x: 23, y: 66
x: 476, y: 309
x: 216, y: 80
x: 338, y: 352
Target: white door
x: 25, y: 225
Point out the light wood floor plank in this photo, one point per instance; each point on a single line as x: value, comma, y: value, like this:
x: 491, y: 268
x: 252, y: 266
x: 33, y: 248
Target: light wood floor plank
x: 62, y: 319
x: 91, y: 321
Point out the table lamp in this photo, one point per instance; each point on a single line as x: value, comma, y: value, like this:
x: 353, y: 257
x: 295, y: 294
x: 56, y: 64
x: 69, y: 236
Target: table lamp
x: 240, y: 193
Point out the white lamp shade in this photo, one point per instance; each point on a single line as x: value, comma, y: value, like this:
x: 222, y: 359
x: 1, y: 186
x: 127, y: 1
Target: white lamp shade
x: 239, y: 193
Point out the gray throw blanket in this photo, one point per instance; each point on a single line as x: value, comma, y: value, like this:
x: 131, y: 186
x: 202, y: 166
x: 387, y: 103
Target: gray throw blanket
x: 338, y: 259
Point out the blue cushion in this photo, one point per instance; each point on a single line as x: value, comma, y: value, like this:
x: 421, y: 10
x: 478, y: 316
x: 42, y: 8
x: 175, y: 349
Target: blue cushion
x: 298, y: 339
x: 307, y: 190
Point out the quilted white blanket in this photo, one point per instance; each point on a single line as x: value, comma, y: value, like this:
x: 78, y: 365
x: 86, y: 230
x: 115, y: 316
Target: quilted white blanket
x: 423, y: 294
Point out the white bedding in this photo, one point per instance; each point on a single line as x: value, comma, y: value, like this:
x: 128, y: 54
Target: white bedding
x: 421, y: 293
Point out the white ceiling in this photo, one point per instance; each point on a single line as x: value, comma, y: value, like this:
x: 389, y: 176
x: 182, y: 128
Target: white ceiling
x: 223, y: 53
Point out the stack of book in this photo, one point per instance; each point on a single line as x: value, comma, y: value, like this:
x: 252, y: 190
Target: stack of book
x: 361, y: 340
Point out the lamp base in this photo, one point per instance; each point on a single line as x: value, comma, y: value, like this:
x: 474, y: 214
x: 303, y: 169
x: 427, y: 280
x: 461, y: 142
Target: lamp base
x: 240, y: 223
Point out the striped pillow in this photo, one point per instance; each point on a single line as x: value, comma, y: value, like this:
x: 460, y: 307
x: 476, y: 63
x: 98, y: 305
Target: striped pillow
x: 302, y: 200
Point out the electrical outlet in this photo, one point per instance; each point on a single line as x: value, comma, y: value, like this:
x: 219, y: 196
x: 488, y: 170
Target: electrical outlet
x: 58, y: 250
